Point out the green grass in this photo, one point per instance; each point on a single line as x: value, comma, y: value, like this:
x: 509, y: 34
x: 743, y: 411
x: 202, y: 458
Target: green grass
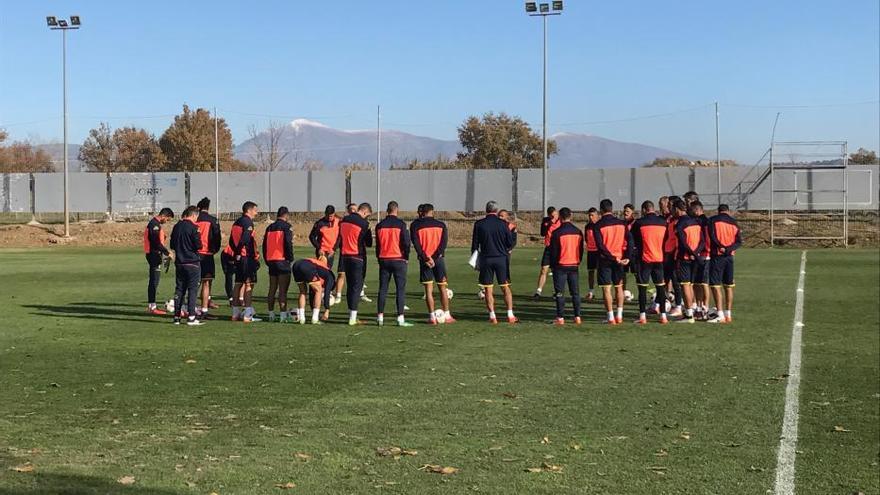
x: 93, y: 390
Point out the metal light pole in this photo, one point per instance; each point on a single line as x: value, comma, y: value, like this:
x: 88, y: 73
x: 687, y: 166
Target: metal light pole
x: 717, y: 153
x: 543, y: 10
x: 63, y: 25
x: 216, y: 164
x: 378, y: 161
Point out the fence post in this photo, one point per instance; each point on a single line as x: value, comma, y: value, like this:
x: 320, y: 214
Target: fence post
x: 33, y: 197
x: 469, y: 191
x: 632, y: 188
x: 109, y: 196
x: 7, y: 201
x: 514, y: 198
x: 309, y: 190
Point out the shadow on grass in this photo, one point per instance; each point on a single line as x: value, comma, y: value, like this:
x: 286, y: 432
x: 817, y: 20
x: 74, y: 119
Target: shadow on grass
x: 93, y: 312
x: 69, y: 484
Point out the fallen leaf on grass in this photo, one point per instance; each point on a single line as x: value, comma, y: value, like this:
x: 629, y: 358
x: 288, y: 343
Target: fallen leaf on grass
x: 126, y: 480
x: 756, y: 469
x: 575, y: 446
x: 545, y: 468
x: 509, y: 395
x: 545, y: 440
x: 778, y: 378
x: 302, y: 456
x: 661, y: 453
x: 685, y: 435
x: 23, y: 468
x: 436, y: 468
x: 190, y: 361
x: 840, y: 429
x: 286, y: 486
x: 395, y: 452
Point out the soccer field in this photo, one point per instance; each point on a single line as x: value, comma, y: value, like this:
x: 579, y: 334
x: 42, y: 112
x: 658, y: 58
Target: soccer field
x: 94, y: 390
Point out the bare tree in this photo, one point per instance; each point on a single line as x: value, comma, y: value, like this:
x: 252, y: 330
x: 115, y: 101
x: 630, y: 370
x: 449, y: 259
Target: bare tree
x: 268, y: 155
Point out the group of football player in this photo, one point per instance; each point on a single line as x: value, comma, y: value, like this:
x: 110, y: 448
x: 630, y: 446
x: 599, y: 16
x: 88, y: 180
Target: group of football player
x: 686, y: 256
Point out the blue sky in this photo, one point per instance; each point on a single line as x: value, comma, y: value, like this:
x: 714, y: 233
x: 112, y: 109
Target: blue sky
x: 430, y: 64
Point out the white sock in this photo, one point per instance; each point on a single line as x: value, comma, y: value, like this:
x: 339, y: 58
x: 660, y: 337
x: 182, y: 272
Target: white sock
x: 611, y: 316
x: 380, y: 317
x: 205, y: 310
x: 590, y: 293
x: 491, y: 315
x: 447, y: 315
x: 271, y: 315
x: 400, y: 319
x: 538, y: 290
x: 152, y: 305
x: 727, y: 313
x: 353, y: 315
x: 689, y: 313
x: 316, y: 314
x: 510, y: 313
x: 301, y: 314
x: 191, y: 318
x: 620, y: 312
x: 643, y: 316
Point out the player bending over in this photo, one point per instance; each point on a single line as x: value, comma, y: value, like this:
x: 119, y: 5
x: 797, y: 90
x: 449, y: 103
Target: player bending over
x: 313, y: 276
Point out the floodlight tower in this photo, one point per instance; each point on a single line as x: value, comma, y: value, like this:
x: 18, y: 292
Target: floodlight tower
x: 534, y: 9
x: 63, y: 25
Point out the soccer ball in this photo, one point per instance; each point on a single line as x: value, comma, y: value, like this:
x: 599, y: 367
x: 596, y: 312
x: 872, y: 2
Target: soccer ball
x: 169, y: 306
x: 449, y: 293
x: 627, y: 296
x: 440, y: 316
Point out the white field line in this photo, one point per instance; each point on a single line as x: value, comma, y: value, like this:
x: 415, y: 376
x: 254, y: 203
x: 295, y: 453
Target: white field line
x: 788, y: 441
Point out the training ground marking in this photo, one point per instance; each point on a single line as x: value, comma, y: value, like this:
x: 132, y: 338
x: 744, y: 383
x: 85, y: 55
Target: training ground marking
x: 788, y: 441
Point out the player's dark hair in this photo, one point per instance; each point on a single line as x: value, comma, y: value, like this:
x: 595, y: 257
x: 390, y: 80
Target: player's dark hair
x: 550, y: 210
x: 427, y: 208
x: 565, y: 213
x: 351, y: 207
x: 329, y: 210
x: 282, y: 212
x: 678, y: 204
x: 189, y: 211
x: 392, y: 207
x: 606, y: 206
x: 592, y: 210
x: 691, y: 196
x: 723, y: 207
x: 204, y: 203
x: 673, y: 199
x: 696, y: 204
x: 647, y: 205
x: 365, y: 206
x: 631, y: 207
x: 248, y: 205
x: 166, y: 212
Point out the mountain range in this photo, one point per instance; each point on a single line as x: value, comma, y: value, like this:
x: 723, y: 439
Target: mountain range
x: 306, y: 140
x: 309, y: 140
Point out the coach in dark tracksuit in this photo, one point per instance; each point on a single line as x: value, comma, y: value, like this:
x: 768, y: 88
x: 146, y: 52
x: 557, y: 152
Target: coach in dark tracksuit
x: 186, y: 243
x: 354, y: 231
x: 493, y: 239
x: 392, y: 250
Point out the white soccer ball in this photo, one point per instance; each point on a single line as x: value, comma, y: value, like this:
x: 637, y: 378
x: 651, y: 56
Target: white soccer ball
x: 449, y: 293
x: 482, y: 293
x: 440, y: 316
x: 169, y: 306
x: 627, y: 296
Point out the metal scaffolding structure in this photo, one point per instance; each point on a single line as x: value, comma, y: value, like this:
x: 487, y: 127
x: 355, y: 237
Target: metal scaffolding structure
x: 812, y: 176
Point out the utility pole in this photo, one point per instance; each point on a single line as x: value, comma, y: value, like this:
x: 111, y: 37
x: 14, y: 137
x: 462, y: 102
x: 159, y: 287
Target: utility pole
x: 216, y: 164
x: 378, y: 160
x: 717, y: 153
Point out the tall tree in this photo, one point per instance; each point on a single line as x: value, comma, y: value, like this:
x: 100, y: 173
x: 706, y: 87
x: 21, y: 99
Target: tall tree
x: 98, y: 151
x: 138, y: 150
x: 188, y: 143
x: 501, y: 141
x: 20, y: 156
x: 863, y: 157
x: 127, y: 149
x: 268, y: 155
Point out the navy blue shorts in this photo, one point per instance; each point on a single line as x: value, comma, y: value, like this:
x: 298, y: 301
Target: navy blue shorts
x: 246, y: 270
x: 208, y: 267
x: 436, y: 274
x: 545, y: 258
x: 684, y: 270
x: 592, y: 260
x: 721, y: 271
x: 650, y: 272
x: 609, y: 272
x: 277, y: 268
x: 495, y: 268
